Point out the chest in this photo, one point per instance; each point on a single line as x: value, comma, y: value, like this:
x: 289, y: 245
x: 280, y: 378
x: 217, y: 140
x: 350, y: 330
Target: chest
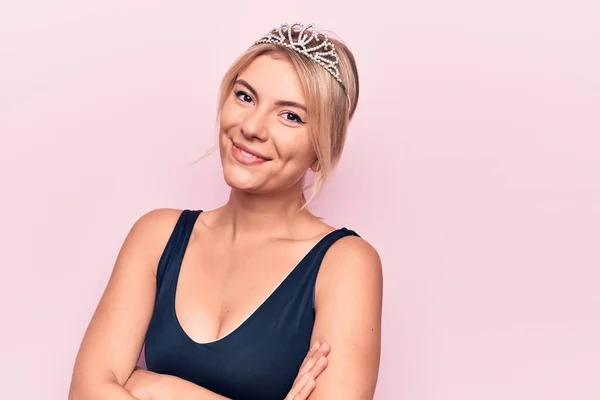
x: 219, y: 287
x: 258, y: 361
x: 238, y: 323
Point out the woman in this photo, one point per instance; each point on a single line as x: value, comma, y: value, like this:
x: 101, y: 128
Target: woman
x: 228, y: 301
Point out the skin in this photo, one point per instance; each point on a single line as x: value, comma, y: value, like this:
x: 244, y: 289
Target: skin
x: 220, y: 284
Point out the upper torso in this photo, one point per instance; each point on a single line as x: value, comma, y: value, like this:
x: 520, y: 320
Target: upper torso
x: 235, y: 321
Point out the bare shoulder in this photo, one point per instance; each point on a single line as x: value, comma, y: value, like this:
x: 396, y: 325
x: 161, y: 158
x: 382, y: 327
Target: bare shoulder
x: 158, y: 220
x: 351, y: 265
x: 354, y: 257
x: 151, y: 231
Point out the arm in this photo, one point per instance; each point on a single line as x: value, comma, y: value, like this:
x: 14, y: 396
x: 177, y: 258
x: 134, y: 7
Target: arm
x: 114, y: 337
x: 180, y: 389
x: 146, y: 385
x: 348, y: 317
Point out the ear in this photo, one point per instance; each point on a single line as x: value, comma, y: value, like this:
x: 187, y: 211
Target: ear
x: 315, y: 166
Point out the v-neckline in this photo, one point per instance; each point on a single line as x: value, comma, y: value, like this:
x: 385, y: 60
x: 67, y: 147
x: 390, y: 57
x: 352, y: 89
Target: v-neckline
x: 254, y: 312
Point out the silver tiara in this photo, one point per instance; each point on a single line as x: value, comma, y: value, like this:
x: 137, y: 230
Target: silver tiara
x: 322, y: 53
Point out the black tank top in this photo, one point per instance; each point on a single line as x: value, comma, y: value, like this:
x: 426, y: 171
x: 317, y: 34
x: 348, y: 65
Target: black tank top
x: 260, y: 359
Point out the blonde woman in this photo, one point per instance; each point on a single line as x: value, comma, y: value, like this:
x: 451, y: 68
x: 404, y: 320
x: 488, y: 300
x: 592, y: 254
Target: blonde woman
x: 257, y: 299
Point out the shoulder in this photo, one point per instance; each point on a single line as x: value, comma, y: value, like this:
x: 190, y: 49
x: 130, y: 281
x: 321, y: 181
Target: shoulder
x: 151, y: 231
x: 351, y: 264
x: 156, y: 223
x: 353, y: 249
x: 352, y: 255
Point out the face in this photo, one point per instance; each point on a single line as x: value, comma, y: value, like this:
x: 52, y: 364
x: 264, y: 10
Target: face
x: 264, y: 138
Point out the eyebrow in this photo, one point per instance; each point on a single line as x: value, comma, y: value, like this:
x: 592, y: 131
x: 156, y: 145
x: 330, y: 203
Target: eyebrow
x: 278, y: 102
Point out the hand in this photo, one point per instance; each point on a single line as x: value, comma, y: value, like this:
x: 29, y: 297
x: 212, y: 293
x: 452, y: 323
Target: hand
x: 314, y: 364
x: 142, y: 384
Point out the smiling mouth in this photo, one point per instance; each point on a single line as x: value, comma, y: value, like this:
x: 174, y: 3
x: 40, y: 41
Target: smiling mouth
x: 246, y: 157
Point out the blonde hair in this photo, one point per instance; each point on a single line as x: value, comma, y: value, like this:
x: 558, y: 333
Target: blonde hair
x: 329, y: 107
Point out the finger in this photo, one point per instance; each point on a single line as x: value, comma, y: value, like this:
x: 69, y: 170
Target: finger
x: 316, y: 345
x: 305, y: 391
x: 316, y: 369
x: 305, y: 368
x: 301, y: 378
x: 322, y: 352
x: 325, y: 347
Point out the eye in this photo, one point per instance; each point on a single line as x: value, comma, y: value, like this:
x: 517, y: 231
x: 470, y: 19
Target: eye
x: 290, y: 116
x: 243, y: 96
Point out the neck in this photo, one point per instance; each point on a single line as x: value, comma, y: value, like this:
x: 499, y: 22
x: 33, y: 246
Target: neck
x: 264, y: 215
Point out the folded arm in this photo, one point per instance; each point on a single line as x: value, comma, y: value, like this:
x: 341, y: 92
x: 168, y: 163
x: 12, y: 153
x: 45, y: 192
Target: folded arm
x: 146, y: 385
x: 115, y: 335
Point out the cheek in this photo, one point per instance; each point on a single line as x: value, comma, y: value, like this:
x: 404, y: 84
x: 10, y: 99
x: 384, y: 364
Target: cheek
x: 226, y: 115
x: 227, y: 122
x: 231, y: 114
x: 297, y: 149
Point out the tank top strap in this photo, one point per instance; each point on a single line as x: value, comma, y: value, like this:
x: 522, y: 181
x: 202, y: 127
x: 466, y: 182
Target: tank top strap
x: 307, y: 274
x: 172, y: 256
x: 325, y: 244
x: 327, y: 241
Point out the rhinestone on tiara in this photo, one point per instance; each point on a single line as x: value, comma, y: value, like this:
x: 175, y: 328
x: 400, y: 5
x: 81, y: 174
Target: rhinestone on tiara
x: 322, y: 51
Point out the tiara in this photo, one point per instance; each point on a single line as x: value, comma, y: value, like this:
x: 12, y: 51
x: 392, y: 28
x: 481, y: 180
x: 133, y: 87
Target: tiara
x: 322, y: 53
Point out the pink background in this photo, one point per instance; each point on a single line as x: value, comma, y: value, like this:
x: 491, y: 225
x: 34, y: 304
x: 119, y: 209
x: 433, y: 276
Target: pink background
x: 473, y: 165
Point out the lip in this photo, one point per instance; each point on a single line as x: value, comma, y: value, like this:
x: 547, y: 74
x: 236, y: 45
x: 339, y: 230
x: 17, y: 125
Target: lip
x: 236, y: 150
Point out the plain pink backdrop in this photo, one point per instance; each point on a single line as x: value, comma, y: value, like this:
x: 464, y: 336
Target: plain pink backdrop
x: 473, y: 165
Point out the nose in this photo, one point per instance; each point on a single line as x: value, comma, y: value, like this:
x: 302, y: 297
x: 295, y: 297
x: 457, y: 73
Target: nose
x: 254, y: 125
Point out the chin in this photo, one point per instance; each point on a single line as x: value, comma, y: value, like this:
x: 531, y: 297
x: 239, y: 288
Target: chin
x: 240, y: 178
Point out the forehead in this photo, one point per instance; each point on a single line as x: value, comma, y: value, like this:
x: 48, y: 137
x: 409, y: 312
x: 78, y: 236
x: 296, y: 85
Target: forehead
x: 274, y: 76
